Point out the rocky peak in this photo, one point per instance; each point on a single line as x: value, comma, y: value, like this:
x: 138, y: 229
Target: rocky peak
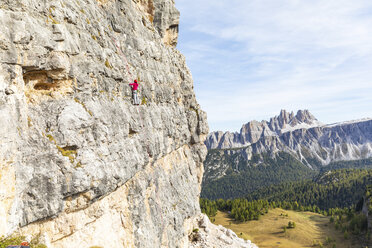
x: 283, y: 117
x: 287, y: 120
x: 252, y: 131
x: 304, y: 116
x: 280, y: 121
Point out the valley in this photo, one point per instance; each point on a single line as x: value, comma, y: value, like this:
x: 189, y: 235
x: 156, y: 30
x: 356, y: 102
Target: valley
x: 311, y: 230
x: 292, y: 169
x: 288, y: 148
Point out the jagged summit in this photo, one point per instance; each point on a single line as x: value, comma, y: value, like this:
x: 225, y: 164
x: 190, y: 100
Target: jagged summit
x: 305, y: 116
x: 252, y: 131
x: 302, y: 116
x: 286, y: 121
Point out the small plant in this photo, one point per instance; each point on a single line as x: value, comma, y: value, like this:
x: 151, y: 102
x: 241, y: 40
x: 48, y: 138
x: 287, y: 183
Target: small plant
x: 39, y: 246
x: 291, y: 224
x: 53, y: 20
x: 358, y: 224
x: 17, y: 240
x: 317, y: 244
x: 337, y: 226
x: 107, y: 64
x: 346, y: 235
x: 144, y: 101
x: 67, y: 152
x: 13, y: 240
x: 195, y: 230
x: 79, y: 165
x: 51, y: 138
x: 329, y: 240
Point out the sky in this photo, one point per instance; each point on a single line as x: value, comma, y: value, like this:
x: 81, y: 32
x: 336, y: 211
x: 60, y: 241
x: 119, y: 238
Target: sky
x: 251, y: 58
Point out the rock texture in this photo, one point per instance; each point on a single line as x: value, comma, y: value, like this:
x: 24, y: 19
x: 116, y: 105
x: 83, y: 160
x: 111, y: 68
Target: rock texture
x: 79, y: 164
x: 208, y: 235
x: 301, y: 135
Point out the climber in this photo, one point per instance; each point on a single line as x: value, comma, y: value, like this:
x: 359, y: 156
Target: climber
x: 134, y: 86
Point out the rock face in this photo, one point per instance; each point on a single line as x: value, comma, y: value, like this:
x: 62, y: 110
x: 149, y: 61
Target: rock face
x: 79, y: 164
x: 301, y: 135
x: 208, y: 235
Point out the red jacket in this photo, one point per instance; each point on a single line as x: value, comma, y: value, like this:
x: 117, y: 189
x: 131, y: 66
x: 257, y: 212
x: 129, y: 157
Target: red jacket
x: 134, y: 86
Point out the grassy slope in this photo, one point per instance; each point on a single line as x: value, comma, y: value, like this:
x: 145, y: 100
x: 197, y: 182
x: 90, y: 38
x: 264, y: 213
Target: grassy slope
x: 268, y: 231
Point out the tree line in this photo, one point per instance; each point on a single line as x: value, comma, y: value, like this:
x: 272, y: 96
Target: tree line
x: 248, y: 176
x: 339, y: 188
x: 242, y: 209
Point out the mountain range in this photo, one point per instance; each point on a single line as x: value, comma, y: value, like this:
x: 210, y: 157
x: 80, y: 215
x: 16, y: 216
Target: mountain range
x: 287, y: 139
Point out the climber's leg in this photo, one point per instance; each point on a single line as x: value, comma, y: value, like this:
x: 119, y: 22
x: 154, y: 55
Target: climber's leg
x: 137, y: 98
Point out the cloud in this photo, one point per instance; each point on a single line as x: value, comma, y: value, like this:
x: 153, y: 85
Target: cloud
x: 250, y: 59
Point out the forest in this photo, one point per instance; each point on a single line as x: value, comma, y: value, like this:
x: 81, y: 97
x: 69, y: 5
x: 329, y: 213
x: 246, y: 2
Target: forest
x: 260, y: 172
x: 262, y: 175
x: 339, y: 188
x: 338, y: 194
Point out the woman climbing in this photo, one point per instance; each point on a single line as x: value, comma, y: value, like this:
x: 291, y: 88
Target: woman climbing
x: 134, y: 86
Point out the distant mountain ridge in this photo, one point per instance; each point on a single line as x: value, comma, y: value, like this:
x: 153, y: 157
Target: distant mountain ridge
x: 251, y: 132
x: 306, y: 139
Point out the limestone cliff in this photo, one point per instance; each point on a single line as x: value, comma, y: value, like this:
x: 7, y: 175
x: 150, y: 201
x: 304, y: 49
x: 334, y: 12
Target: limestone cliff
x: 79, y: 164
